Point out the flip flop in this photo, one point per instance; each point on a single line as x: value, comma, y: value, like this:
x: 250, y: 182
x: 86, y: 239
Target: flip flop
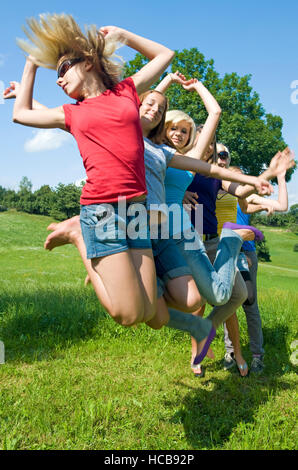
x: 259, y: 236
x: 198, y: 370
x: 199, y: 358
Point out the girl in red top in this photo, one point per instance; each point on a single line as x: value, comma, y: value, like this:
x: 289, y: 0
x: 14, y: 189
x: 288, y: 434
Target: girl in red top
x: 105, y: 123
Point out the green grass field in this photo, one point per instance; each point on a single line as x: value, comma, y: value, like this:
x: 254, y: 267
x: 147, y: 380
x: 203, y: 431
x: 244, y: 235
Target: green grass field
x: 73, y: 379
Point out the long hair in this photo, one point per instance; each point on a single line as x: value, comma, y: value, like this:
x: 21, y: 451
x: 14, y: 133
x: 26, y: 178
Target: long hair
x: 157, y: 134
x: 174, y: 116
x: 57, y: 36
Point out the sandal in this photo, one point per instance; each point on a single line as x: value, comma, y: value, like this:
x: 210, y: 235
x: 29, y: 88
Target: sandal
x: 199, y: 358
x: 198, y: 370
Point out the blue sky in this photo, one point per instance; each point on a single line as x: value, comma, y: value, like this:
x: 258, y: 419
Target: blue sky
x: 256, y: 37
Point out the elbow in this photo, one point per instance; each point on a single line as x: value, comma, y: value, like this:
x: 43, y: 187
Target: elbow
x: 16, y: 117
x: 171, y: 53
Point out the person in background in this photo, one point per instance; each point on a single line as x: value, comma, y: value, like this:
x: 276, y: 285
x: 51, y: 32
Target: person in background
x: 251, y: 205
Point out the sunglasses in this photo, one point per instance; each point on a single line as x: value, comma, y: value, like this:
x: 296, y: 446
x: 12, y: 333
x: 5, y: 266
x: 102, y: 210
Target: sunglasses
x: 223, y: 155
x: 66, y: 65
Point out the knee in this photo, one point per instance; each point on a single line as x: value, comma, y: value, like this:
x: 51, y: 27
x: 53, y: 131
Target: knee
x: 194, y: 302
x: 128, y: 317
x: 241, y: 293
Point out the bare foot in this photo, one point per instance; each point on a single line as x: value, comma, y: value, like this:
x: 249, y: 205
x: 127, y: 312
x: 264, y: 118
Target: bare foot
x: 245, y: 234
x: 63, y: 233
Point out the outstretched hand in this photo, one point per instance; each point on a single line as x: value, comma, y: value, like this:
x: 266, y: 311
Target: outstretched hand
x: 263, y: 187
x: 11, y: 91
x: 282, y: 161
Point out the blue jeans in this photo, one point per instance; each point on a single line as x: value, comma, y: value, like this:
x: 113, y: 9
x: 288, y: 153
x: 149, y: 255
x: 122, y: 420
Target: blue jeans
x: 215, y: 282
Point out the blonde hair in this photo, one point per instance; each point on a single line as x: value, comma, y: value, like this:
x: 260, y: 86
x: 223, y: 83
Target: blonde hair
x: 57, y: 36
x: 174, y: 116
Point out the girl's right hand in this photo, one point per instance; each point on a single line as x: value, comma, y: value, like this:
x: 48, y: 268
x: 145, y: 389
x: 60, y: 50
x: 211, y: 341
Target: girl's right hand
x: 113, y: 32
x: 11, y: 91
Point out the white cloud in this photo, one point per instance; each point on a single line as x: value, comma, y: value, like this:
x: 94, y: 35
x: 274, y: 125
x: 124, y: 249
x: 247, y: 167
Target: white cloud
x: 46, y: 139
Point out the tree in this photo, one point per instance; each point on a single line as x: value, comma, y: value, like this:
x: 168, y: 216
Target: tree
x: 44, y: 200
x: 67, y: 201
x: 252, y: 136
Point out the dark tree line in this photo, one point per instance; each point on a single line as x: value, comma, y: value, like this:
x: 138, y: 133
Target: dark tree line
x: 60, y: 203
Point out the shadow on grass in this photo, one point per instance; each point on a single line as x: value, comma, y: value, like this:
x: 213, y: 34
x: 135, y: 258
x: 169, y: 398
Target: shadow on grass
x: 214, y: 407
x: 34, y: 323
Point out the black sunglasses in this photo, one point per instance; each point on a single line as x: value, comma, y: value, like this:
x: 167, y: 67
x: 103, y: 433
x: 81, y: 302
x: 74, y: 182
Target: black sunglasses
x: 66, y: 65
x: 224, y: 155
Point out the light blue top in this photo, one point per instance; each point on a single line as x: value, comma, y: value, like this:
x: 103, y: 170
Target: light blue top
x: 244, y: 219
x: 176, y: 183
x: 157, y: 158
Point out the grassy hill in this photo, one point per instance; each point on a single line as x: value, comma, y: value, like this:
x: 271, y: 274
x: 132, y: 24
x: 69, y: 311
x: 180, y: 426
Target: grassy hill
x: 73, y: 379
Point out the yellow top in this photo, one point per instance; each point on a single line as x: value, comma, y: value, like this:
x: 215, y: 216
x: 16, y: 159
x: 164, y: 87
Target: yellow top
x: 226, y: 209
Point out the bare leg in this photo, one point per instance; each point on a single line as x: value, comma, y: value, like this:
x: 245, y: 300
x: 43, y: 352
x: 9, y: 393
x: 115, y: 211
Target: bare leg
x: 114, y: 277
x: 233, y: 330
x: 182, y: 294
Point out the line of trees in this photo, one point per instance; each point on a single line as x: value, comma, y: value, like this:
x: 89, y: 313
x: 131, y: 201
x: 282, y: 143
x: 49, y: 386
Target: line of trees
x: 288, y: 219
x: 60, y: 203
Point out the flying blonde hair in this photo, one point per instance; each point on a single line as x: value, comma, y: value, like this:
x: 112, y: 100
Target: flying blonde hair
x: 174, y: 116
x: 57, y: 36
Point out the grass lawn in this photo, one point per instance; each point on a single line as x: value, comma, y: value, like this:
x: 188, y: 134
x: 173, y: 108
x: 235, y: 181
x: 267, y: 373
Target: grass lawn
x: 74, y: 379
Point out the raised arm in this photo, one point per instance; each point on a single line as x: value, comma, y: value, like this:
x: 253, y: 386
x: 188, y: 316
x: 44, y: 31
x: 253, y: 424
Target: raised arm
x: 280, y: 163
x: 12, y: 92
x: 210, y: 103
x: 159, y: 56
x: 183, y: 162
x: 25, y: 114
x: 211, y: 123
x: 281, y: 205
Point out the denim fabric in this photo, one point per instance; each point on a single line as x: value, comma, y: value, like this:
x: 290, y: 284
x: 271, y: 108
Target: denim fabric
x: 109, y: 229
x: 215, y: 282
x: 169, y: 262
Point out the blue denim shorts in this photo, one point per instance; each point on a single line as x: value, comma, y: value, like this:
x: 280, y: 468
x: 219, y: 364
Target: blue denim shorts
x: 169, y: 262
x: 112, y: 228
